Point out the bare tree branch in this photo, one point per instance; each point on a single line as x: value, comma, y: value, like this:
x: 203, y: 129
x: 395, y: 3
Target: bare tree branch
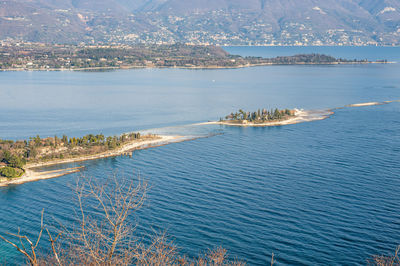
x: 103, y: 234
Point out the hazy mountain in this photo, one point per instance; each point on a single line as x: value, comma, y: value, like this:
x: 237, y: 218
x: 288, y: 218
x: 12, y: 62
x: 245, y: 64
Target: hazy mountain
x: 203, y: 21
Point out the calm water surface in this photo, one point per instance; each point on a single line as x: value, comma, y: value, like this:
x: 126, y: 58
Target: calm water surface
x: 324, y: 193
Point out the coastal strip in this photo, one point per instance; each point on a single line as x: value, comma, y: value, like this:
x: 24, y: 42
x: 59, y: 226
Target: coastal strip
x: 32, y: 174
x: 35, y: 57
x: 126, y: 148
x: 210, y: 67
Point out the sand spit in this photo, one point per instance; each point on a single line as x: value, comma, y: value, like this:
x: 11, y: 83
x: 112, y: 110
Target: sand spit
x: 300, y: 116
x: 364, y: 104
x: 31, y: 174
x: 128, y: 147
x: 370, y: 103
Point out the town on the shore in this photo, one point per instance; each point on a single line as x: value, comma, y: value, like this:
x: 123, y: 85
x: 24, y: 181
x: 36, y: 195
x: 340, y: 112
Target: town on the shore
x: 41, y: 56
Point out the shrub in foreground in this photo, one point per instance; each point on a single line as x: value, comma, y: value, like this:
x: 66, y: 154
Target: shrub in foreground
x: 103, y: 234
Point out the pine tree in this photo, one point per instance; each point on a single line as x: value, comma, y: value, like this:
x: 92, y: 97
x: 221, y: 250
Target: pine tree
x: 56, y: 140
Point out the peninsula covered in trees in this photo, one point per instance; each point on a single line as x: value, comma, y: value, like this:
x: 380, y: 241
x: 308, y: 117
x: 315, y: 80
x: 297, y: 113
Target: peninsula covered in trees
x: 14, y: 155
x: 38, y: 56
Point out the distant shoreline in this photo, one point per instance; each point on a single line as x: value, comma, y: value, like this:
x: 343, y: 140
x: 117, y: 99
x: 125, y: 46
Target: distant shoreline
x: 273, y: 45
x: 195, y: 67
x: 41, y: 57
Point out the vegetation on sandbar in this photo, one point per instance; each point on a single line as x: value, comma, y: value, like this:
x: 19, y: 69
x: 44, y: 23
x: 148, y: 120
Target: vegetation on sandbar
x: 260, y: 116
x: 15, y: 154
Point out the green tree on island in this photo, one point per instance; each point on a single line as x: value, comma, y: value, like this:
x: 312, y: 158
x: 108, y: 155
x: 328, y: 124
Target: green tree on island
x: 259, y: 116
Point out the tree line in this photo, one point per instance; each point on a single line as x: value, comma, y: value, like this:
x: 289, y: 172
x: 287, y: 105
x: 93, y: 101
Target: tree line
x: 263, y: 115
x: 15, y: 154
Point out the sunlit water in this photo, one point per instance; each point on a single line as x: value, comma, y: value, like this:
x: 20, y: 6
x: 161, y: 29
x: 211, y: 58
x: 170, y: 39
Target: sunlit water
x: 324, y: 192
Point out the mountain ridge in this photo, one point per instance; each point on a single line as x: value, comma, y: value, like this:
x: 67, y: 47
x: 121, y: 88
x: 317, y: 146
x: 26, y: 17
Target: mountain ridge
x: 220, y: 22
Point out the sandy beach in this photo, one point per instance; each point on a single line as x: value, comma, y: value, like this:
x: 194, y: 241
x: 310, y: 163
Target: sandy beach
x: 364, y: 104
x: 31, y: 174
x: 370, y: 103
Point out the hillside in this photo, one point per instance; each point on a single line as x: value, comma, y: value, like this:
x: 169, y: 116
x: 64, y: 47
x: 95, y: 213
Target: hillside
x: 232, y: 22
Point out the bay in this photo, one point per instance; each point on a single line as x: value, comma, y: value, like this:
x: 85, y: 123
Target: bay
x: 321, y: 193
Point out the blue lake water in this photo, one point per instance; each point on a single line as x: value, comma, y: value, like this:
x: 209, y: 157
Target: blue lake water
x: 324, y: 192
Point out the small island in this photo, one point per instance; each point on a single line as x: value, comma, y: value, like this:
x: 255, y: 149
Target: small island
x: 19, y: 158
x: 260, y: 117
x: 281, y: 117
x: 269, y: 118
